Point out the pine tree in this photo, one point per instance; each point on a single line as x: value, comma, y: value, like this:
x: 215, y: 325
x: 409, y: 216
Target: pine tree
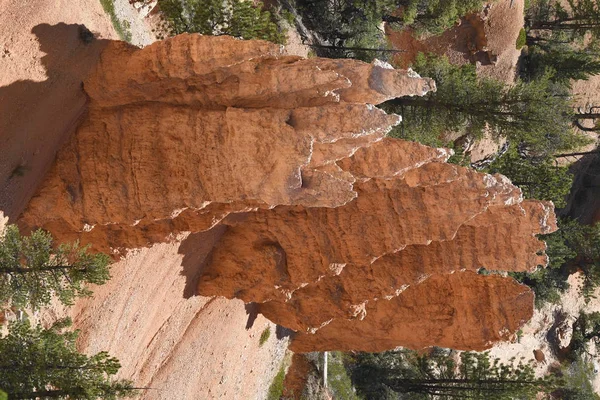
x: 435, y: 16
x: 538, y: 177
x: 38, y: 363
x: 438, y: 376
x: 562, y: 61
x: 535, y: 113
x: 32, y: 270
x: 577, y: 19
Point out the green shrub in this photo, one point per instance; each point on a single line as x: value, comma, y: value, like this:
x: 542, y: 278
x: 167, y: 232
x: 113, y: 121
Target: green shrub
x: 338, y: 378
x: 276, y: 388
x: 239, y: 18
x: 264, y: 336
x: 521, y: 39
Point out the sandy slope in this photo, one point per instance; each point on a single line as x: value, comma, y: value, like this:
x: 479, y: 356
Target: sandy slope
x: 42, y: 64
x: 183, y: 347
x: 180, y: 346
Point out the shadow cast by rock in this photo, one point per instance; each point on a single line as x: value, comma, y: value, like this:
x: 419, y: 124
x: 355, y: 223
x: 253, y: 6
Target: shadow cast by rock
x: 37, y: 117
x: 197, y: 249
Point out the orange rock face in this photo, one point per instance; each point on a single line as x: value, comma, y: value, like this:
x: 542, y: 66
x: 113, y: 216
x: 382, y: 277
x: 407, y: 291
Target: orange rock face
x: 353, y: 240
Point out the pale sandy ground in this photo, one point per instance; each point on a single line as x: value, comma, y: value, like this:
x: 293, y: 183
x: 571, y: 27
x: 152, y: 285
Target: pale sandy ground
x: 504, y: 20
x: 138, y: 26
x: 182, y: 347
x: 534, y: 333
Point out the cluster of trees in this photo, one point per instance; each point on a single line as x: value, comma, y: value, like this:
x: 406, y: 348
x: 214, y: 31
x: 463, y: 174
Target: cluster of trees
x: 537, y: 118
x: 444, y: 374
x: 354, y: 28
x: 43, y: 363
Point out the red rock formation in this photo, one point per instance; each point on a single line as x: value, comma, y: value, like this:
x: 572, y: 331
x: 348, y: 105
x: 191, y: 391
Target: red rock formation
x: 352, y: 240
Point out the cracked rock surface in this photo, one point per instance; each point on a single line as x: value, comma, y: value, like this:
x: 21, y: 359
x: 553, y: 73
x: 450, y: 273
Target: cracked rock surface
x: 353, y: 240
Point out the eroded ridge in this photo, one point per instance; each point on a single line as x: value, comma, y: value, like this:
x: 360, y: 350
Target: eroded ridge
x: 185, y: 131
x: 354, y: 240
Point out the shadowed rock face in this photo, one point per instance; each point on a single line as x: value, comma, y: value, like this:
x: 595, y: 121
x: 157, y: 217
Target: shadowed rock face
x: 353, y: 240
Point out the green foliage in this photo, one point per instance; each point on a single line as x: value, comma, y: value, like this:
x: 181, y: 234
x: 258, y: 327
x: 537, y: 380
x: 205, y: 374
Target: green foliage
x: 238, y: 18
x: 578, y: 377
x: 560, y: 61
x: 276, y: 388
x: 347, y: 23
x: 44, y: 363
x: 586, y: 329
x: 538, y: 177
x: 3, y: 395
x: 521, y: 39
x: 579, y: 18
x: 435, y: 16
x: 437, y: 375
x: 584, y: 242
x: 264, y: 336
x: 535, y: 113
x: 548, y: 283
x: 338, y: 380
x: 32, y: 270
x: 122, y: 27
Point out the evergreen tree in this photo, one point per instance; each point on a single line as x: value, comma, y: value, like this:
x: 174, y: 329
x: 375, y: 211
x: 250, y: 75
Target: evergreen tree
x: 237, y: 18
x: 538, y: 177
x: 435, y: 16
x: 378, y: 376
x: 578, y: 379
x: 347, y: 24
x: 348, y: 27
x: 561, y: 61
x: 32, y: 270
x: 535, y: 113
x: 586, y: 329
x: 578, y: 18
x: 37, y: 363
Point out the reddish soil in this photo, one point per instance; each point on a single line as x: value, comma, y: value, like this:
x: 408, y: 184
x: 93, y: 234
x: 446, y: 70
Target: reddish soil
x: 487, y: 38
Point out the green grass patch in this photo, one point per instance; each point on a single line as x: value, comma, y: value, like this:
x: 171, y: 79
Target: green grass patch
x: 338, y: 379
x: 521, y: 39
x: 264, y: 336
x: 276, y: 388
x: 122, y: 27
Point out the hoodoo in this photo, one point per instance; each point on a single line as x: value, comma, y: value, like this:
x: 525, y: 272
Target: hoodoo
x: 353, y: 240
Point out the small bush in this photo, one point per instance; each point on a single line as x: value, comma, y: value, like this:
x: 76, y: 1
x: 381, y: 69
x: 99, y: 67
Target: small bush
x: 276, y: 388
x: 264, y: 336
x: 521, y: 39
x: 85, y: 35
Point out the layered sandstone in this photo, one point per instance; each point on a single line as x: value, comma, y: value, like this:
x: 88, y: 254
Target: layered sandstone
x: 353, y: 240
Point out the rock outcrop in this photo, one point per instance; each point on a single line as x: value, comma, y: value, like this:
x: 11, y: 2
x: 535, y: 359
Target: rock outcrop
x: 353, y: 240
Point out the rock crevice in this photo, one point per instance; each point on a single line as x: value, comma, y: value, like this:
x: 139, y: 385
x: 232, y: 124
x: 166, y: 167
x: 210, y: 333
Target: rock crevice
x: 354, y: 240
